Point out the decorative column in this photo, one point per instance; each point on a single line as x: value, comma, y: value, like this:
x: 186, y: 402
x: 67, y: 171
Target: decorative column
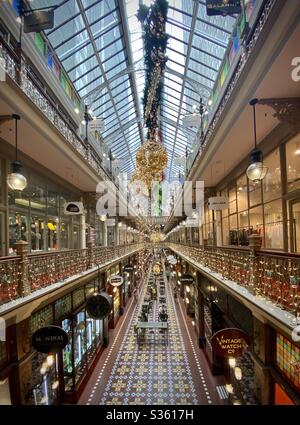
x: 82, y: 231
x: 23, y: 282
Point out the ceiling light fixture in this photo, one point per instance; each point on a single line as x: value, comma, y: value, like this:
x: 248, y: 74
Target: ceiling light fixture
x: 15, y: 179
x: 256, y: 170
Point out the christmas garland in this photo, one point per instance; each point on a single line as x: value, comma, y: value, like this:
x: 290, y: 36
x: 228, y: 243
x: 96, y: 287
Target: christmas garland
x: 155, y: 38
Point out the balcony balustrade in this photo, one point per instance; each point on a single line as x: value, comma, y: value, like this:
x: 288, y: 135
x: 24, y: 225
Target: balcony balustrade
x: 21, y: 73
x: 273, y: 276
x: 26, y: 273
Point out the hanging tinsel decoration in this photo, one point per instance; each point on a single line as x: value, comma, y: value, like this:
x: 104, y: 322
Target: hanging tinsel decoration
x: 152, y: 157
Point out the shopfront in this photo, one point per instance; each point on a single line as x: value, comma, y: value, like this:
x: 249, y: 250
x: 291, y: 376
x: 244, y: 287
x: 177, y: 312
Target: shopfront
x: 216, y: 310
x: 270, y: 208
x: 53, y: 379
x: 117, y: 295
x: 36, y: 215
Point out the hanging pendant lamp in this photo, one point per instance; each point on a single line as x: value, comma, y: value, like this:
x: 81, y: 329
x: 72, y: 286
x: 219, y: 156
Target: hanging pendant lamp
x: 15, y: 179
x: 257, y: 170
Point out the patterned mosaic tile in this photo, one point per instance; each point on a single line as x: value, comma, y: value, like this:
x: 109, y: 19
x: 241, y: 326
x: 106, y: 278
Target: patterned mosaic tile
x: 152, y: 374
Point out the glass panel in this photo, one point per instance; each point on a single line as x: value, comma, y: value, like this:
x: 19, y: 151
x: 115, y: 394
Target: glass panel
x: 272, y: 181
x: 232, y: 200
x: 79, y: 345
x: 293, y: 163
x: 225, y: 231
x: 256, y: 220
x: 273, y: 225
x: 67, y: 356
x: 38, y: 233
x: 18, y: 230
x: 242, y: 193
x: 255, y: 193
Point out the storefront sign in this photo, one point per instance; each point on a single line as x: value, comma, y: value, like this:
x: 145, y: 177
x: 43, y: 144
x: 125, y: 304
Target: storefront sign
x: 128, y: 268
x: 223, y: 7
x: 38, y: 20
x: 96, y: 125
x: 49, y: 340
x: 73, y: 208
x: 99, y: 306
x: 230, y: 342
x: 156, y: 268
x: 218, y: 203
x: 187, y: 279
x: 116, y: 280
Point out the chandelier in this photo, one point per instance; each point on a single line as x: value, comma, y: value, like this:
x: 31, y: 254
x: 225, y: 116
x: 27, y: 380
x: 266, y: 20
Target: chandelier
x: 151, y: 158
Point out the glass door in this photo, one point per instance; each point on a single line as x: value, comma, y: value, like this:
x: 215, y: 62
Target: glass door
x: 295, y: 230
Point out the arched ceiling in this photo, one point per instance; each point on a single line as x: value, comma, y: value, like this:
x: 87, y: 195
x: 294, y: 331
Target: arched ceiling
x: 99, y: 43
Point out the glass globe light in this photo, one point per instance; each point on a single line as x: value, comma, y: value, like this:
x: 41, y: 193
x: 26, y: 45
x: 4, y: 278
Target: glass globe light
x: 256, y: 171
x: 102, y: 217
x: 16, y: 180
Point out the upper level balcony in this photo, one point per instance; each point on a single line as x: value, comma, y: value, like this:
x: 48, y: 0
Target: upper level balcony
x: 26, y: 277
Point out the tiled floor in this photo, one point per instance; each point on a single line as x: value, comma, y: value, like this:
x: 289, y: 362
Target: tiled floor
x: 153, y: 373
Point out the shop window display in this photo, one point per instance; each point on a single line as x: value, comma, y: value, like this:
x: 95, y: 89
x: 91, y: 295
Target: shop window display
x: 273, y: 225
x: 44, y: 380
x: 68, y: 356
x: 80, y: 345
x: 18, y: 229
x: 256, y: 221
x: 272, y: 181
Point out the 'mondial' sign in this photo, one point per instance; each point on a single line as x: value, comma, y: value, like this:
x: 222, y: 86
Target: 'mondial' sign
x: 49, y: 340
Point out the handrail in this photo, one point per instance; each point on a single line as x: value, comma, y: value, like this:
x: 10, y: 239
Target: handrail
x: 274, y: 276
x: 25, y: 273
x: 22, y: 75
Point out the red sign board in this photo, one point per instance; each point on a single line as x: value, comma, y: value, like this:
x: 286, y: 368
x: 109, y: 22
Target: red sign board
x: 230, y: 342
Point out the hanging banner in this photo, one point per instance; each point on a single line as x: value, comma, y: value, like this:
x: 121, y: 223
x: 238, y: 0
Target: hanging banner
x: 116, y: 280
x: 49, y: 340
x: 230, y: 342
x: 223, y: 7
x: 99, y: 306
x: 218, y: 203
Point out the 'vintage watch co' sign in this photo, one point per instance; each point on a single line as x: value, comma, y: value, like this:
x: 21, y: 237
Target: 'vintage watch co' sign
x: 230, y: 342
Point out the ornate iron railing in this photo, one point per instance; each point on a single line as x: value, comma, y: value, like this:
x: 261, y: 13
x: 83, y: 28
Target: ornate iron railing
x: 24, y: 77
x: 23, y: 274
x: 246, y: 54
x: 274, y: 276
